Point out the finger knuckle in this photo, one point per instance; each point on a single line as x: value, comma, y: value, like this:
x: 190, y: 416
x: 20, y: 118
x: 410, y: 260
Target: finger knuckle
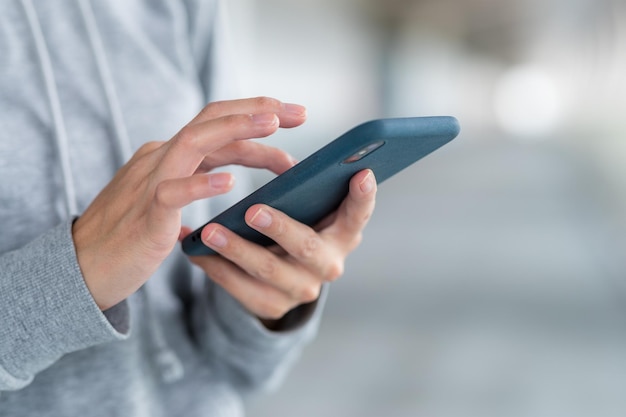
x: 237, y: 152
x: 236, y: 122
x: 310, y: 247
x: 266, y: 268
x: 359, y: 219
x: 309, y: 293
x: 279, y: 227
x: 144, y: 158
x: 271, y: 310
x: 135, y: 170
x: 356, y: 240
x: 366, y: 217
x: 187, y: 137
x: 238, y: 148
x: 234, y: 250
x: 212, y: 109
x: 148, y: 147
x: 267, y: 103
x: 335, y: 270
x: 162, y: 194
x: 217, y: 271
x: 284, y: 157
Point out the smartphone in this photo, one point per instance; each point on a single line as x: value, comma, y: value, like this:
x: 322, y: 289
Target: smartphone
x: 316, y: 186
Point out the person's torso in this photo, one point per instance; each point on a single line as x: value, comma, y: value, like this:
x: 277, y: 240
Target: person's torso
x: 157, y: 92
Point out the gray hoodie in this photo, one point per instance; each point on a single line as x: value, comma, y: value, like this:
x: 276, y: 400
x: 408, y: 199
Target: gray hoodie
x: 82, y: 85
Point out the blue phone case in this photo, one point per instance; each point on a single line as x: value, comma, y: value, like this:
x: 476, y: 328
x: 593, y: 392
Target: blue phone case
x: 316, y: 186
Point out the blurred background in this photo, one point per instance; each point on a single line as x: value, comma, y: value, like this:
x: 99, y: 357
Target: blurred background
x: 492, y: 278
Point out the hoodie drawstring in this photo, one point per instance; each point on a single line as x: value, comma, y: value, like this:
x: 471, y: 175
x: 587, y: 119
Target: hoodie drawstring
x: 167, y: 363
x: 169, y: 366
x: 60, y: 133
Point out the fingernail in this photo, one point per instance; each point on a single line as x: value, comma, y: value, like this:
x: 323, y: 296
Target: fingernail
x: 367, y: 184
x: 217, y: 239
x: 265, y: 119
x: 221, y: 180
x: 261, y: 218
x: 294, y: 109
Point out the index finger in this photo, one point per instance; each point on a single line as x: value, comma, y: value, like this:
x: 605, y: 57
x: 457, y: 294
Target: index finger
x: 289, y: 114
x: 188, y: 149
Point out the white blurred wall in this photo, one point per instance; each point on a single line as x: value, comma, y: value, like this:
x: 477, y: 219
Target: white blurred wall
x: 315, y: 53
x: 358, y: 59
x: 491, y: 279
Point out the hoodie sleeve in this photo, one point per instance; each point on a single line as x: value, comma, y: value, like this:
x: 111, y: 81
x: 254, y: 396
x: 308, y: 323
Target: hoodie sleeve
x: 46, y: 309
x: 252, y: 357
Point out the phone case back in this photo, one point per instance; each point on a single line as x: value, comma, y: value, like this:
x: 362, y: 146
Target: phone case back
x: 316, y: 186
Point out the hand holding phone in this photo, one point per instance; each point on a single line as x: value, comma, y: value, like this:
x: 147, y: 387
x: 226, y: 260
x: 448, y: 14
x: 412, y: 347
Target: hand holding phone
x: 316, y: 186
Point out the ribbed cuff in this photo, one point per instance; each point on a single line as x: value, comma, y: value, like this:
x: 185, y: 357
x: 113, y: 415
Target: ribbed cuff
x: 47, y: 309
